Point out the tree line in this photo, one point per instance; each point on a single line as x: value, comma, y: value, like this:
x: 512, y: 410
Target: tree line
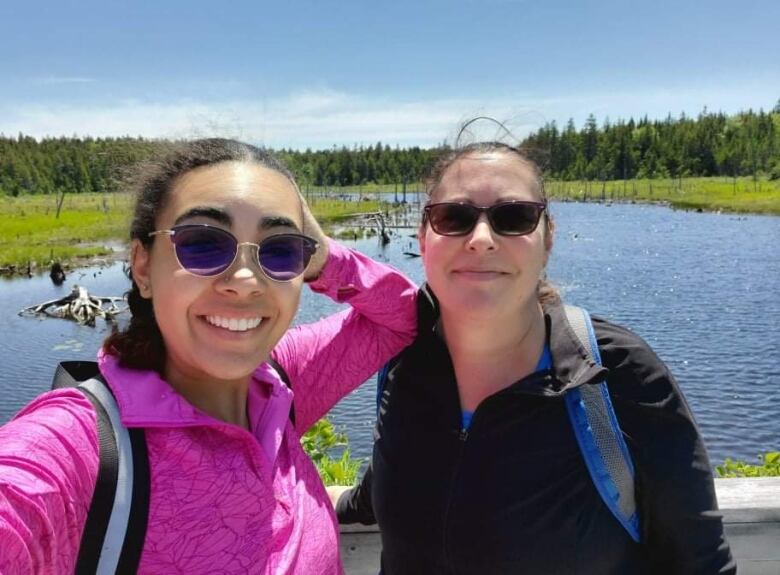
x: 712, y: 144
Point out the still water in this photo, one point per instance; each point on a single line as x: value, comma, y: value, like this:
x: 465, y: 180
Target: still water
x: 702, y: 289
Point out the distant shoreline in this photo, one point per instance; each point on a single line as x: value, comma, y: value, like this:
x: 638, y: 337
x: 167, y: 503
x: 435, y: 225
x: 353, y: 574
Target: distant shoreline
x: 32, y: 238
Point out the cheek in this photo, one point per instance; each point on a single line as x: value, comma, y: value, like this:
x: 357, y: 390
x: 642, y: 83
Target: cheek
x: 434, y: 251
x: 292, y: 299
x: 287, y: 300
x: 171, y: 299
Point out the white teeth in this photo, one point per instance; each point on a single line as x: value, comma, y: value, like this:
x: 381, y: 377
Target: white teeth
x: 234, y: 324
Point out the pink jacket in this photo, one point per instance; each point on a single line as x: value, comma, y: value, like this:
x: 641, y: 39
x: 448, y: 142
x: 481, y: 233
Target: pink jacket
x: 223, y: 499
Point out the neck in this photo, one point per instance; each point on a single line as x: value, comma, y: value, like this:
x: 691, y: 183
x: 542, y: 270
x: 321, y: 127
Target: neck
x: 223, y: 400
x: 490, y: 354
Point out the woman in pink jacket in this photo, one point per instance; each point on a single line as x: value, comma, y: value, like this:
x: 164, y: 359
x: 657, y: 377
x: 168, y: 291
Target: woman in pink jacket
x: 221, y: 244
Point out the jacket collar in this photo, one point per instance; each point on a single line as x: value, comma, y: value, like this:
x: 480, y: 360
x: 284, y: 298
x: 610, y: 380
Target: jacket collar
x: 144, y: 399
x: 572, y: 367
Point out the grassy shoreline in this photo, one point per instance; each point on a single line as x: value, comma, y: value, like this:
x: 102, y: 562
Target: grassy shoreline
x: 94, y: 226
x: 719, y: 194
x: 731, y: 195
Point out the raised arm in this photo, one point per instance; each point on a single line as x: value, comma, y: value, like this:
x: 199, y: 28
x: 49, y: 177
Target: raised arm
x: 328, y: 359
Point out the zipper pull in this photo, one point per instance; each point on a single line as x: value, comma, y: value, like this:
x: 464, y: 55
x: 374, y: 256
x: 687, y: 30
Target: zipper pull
x: 463, y: 435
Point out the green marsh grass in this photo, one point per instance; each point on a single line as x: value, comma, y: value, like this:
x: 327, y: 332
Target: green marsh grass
x: 740, y: 195
x: 31, y: 234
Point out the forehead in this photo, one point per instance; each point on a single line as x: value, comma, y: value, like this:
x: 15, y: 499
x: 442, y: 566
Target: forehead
x: 244, y: 190
x: 485, y: 178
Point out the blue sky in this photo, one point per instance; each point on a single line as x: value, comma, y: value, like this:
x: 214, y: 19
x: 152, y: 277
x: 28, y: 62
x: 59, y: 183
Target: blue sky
x: 305, y: 73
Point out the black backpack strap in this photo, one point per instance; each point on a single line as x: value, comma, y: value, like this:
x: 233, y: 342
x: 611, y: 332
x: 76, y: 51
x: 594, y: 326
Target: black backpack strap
x: 139, y: 508
x: 286, y: 379
x: 114, y: 533
x: 72, y: 373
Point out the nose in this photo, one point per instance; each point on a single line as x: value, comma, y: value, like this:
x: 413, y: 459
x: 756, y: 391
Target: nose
x: 244, y: 277
x: 481, y: 237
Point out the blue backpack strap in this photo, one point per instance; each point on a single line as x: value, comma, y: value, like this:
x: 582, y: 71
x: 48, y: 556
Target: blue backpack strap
x: 599, y: 436
x: 381, y: 380
x: 115, y: 528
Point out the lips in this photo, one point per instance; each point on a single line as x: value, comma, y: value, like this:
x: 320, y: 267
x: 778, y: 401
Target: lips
x: 478, y: 271
x: 234, y: 324
x: 478, y: 274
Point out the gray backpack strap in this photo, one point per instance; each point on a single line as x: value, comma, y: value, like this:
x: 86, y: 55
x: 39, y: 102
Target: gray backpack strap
x: 115, y: 528
x: 598, y: 434
x: 123, y: 495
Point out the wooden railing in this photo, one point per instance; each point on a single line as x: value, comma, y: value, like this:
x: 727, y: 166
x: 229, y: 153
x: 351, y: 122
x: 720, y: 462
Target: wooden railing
x: 751, y: 513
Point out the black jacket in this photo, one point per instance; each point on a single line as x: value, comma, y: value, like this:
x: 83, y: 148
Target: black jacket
x: 513, y: 494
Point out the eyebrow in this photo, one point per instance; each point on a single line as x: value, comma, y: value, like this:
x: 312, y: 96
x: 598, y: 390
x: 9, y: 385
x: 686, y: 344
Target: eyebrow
x: 215, y: 214
x: 277, y: 221
x: 225, y: 219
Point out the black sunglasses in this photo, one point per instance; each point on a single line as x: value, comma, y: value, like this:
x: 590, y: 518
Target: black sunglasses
x: 515, y: 218
x: 205, y: 250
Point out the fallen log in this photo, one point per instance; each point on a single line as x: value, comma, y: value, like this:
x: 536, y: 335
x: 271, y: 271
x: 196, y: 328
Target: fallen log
x: 79, y: 306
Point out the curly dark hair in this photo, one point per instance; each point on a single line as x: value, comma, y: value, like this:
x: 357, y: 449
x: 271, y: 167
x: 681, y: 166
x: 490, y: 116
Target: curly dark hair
x: 140, y: 345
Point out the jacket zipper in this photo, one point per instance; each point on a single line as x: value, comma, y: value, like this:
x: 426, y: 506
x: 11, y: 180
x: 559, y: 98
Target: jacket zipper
x: 463, y: 435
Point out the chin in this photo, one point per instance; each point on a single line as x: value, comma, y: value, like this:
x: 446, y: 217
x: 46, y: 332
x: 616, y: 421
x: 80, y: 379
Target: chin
x: 230, y: 370
x: 469, y: 302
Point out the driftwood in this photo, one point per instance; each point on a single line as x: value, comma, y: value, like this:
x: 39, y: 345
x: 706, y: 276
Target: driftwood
x: 79, y: 306
x: 378, y: 219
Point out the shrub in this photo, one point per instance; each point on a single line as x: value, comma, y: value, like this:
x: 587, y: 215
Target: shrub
x: 319, y: 443
x: 770, y: 467
x: 774, y: 173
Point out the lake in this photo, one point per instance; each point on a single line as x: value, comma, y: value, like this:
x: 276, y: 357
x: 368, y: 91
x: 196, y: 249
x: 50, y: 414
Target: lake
x: 703, y: 289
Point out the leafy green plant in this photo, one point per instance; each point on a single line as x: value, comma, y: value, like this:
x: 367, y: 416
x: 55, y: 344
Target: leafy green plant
x: 769, y: 467
x: 320, y: 442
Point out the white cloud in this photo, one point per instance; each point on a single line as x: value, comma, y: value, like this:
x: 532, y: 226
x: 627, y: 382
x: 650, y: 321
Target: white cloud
x: 57, y: 80
x: 322, y: 118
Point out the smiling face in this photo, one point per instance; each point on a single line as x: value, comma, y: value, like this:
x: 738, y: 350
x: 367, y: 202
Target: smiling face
x: 484, y: 274
x: 221, y: 327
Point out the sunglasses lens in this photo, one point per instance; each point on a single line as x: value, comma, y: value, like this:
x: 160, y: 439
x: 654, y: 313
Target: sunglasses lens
x: 452, y: 219
x: 284, y: 257
x: 515, y: 219
x: 204, y: 251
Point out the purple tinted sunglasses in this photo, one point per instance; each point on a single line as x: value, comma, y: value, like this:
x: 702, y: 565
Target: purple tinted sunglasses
x: 206, y: 251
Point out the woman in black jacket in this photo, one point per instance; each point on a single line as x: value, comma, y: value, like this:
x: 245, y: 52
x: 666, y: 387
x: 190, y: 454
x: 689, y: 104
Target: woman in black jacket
x: 476, y: 468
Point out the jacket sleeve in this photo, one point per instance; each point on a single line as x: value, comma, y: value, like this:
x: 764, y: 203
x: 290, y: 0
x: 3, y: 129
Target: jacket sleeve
x: 48, y: 467
x: 328, y: 359
x: 682, y: 529
x: 354, y: 506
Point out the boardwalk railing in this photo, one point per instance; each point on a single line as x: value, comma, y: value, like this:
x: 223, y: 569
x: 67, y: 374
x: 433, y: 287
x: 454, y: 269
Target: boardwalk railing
x: 751, y: 513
